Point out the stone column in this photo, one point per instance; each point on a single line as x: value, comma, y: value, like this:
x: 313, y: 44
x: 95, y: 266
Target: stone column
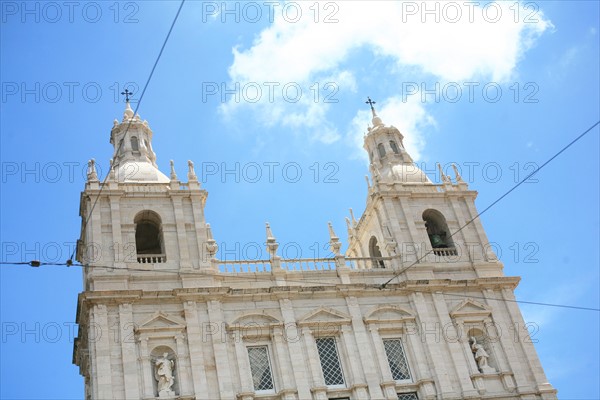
x: 362, y: 341
x: 356, y: 380
x: 449, y: 336
x: 319, y: 389
x: 388, y: 383
x: 284, y: 364
x: 118, y: 245
x: 241, y: 353
x: 294, y: 346
x: 215, y: 316
x: 505, y: 322
x: 184, y: 254
x: 147, y: 369
x: 200, y: 229
x: 95, y: 246
x: 128, y: 353
x: 415, y: 237
x: 416, y: 348
x: 195, y: 347
x: 184, y: 366
x: 430, y: 326
x: 461, y: 245
x: 103, y: 354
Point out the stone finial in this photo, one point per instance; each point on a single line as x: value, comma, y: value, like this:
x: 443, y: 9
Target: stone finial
x: 442, y: 175
x: 115, y: 122
x: 191, y: 173
x: 368, y: 182
x: 354, y: 222
x: 128, y: 114
x: 211, y: 244
x: 111, y: 172
x: 349, y: 228
x: 272, y: 244
x: 334, y: 241
x: 456, y: 173
x: 92, y: 175
x: 173, y: 174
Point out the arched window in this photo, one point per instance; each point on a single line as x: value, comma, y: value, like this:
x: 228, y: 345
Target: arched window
x: 394, y: 147
x: 438, y: 233
x: 134, y: 144
x: 381, y: 150
x: 375, y: 253
x: 148, y: 238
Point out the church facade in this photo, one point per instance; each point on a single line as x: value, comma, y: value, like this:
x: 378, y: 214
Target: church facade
x: 417, y: 307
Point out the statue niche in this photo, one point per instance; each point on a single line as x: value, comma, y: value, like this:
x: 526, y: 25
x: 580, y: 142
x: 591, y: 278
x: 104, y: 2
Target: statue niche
x: 481, y: 357
x: 164, y: 375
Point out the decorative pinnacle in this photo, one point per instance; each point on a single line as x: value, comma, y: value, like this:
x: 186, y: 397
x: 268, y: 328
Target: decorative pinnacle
x: 173, y: 174
x: 457, y: 174
x: 334, y: 241
x: 332, y: 234
x: 191, y: 173
x: 211, y: 244
x: 91, y: 173
x: 272, y: 244
x: 442, y: 175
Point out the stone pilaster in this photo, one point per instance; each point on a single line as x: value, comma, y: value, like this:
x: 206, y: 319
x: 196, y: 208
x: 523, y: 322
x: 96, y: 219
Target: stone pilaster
x: 128, y: 352
x: 195, y: 345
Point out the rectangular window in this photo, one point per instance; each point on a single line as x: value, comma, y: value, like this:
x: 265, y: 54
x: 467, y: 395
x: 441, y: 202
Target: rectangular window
x: 260, y: 368
x: 407, y: 396
x: 396, y: 359
x: 330, y: 361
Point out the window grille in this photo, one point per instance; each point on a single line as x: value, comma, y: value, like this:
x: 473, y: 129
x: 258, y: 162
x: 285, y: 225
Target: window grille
x: 396, y: 359
x: 260, y: 368
x: 330, y: 361
x: 407, y: 396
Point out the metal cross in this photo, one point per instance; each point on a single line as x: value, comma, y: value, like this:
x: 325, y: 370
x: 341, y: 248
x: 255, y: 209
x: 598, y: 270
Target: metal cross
x: 370, y: 102
x: 127, y: 93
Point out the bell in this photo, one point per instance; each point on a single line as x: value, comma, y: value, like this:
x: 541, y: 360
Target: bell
x: 437, y: 241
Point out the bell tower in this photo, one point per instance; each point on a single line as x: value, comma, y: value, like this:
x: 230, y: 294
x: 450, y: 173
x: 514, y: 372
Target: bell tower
x: 409, y: 220
x: 141, y: 231
x: 418, y: 308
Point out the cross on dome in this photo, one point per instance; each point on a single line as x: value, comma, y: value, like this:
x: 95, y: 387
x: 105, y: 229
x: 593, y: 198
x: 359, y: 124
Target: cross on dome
x: 376, y: 120
x: 127, y: 93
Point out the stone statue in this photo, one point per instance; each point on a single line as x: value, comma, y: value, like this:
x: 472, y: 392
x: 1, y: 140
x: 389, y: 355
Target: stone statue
x: 163, y: 373
x: 191, y: 172
x: 481, y: 357
x: 91, y: 171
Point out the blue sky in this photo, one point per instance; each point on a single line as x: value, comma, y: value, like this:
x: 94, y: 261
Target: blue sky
x: 508, y: 86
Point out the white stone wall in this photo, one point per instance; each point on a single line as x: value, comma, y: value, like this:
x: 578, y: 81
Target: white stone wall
x: 202, y: 314
x: 208, y: 336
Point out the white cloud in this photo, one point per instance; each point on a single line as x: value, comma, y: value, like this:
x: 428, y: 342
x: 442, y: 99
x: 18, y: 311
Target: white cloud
x: 306, y: 52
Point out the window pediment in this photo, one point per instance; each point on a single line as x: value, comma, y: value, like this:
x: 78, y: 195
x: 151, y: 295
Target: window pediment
x: 253, y: 321
x: 470, y: 308
x: 161, y: 323
x: 389, y: 314
x: 324, y: 315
